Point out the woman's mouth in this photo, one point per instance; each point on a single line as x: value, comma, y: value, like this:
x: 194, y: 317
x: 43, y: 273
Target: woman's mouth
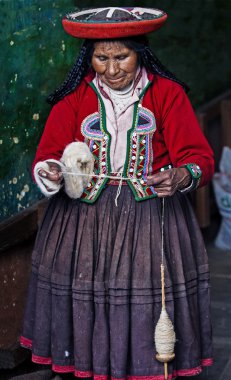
x: 114, y: 80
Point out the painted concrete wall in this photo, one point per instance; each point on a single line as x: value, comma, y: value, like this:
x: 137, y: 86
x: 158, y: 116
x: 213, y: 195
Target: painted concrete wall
x: 36, y: 54
x: 35, y: 57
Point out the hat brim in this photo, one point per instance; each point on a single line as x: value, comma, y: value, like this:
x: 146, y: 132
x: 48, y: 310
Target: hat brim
x: 102, y: 30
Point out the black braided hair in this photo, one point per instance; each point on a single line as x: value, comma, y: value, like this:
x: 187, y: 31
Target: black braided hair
x: 74, y: 76
x: 149, y: 60
x: 83, y: 63
x: 153, y: 64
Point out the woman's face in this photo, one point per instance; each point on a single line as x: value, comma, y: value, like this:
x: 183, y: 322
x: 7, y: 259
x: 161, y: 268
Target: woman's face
x: 115, y: 64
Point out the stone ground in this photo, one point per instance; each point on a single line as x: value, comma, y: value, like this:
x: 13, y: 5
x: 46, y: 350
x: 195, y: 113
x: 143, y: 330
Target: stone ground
x: 220, y: 266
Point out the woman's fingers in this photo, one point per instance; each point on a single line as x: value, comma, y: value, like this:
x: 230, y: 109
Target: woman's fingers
x: 158, y: 179
x: 54, y: 173
x: 49, y: 175
x: 168, y: 182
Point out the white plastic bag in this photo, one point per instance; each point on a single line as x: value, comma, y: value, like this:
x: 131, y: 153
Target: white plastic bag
x: 222, y: 189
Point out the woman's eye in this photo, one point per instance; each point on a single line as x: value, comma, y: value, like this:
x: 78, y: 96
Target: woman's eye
x: 102, y: 59
x: 122, y: 57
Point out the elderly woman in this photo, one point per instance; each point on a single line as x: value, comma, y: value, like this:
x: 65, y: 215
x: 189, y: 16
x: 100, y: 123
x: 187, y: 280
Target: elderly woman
x: 121, y: 137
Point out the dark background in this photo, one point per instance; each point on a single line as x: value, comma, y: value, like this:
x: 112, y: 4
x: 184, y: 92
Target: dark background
x: 36, y: 55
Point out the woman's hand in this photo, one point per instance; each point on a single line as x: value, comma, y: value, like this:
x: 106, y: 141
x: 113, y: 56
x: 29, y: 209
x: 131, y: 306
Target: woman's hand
x: 166, y: 183
x: 54, y: 174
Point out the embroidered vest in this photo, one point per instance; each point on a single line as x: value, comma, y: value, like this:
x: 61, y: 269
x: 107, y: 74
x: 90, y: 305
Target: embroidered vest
x: 138, y: 156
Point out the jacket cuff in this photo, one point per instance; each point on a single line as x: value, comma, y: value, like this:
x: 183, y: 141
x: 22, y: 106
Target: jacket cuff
x: 43, y: 183
x: 196, y: 174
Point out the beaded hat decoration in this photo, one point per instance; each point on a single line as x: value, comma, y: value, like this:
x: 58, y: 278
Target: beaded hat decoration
x: 113, y: 22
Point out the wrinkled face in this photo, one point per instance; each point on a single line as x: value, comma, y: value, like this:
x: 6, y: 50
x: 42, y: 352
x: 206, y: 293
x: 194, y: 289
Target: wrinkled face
x: 115, y: 64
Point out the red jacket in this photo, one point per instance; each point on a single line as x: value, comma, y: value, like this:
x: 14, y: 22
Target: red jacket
x: 178, y: 138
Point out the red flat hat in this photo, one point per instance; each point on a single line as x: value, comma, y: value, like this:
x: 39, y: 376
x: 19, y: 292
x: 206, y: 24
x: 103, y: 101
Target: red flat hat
x: 113, y: 22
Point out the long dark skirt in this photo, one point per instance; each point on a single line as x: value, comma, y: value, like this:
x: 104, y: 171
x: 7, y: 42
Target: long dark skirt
x: 95, y: 289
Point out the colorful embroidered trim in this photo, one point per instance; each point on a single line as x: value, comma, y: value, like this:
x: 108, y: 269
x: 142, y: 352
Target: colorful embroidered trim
x: 94, y: 187
x: 196, y: 174
x: 90, y: 127
x: 146, y: 122
x: 139, y: 154
x: 139, y: 151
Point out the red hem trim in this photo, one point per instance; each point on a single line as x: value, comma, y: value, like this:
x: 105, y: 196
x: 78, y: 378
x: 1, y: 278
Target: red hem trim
x: 41, y: 359
x: 25, y: 342
x: 188, y: 372
x: 207, y: 362
x: 84, y: 374
x: 157, y: 377
x: 63, y: 369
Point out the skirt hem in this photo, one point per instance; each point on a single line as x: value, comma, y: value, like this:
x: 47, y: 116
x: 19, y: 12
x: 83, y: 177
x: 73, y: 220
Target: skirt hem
x: 27, y: 343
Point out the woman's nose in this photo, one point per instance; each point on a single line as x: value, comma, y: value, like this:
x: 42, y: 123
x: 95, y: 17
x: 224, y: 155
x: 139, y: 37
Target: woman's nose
x: 113, y: 67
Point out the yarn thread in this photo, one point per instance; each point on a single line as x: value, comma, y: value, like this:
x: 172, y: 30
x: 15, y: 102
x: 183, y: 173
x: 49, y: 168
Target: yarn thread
x: 164, y: 335
x: 118, y: 176
x: 118, y: 190
x: 101, y: 176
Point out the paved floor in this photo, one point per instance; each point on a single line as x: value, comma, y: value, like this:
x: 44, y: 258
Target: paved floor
x: 220, y: 266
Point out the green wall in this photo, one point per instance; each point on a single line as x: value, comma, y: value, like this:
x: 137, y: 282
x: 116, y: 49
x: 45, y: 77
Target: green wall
x: 36, y: 55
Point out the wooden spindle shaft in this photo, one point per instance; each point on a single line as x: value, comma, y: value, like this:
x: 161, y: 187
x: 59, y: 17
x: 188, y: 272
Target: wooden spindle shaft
x: 166, y: 371
x: 162, y: 285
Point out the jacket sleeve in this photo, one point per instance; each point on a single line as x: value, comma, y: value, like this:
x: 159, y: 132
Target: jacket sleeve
x: 59, y: 131
x: 182, y: 134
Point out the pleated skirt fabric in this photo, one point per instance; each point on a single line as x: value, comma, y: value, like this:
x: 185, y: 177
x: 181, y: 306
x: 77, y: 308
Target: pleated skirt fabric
x: 95, y: 289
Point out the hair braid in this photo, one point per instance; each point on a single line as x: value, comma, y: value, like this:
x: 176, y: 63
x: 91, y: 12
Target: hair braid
x: 153, y: 64
x: 83, y: 62
x: 73, y: 78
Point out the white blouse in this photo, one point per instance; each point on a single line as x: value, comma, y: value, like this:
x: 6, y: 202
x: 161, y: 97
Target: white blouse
x: 119, y: 106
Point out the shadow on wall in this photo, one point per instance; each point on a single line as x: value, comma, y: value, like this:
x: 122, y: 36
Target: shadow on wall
x: 36, y: 55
